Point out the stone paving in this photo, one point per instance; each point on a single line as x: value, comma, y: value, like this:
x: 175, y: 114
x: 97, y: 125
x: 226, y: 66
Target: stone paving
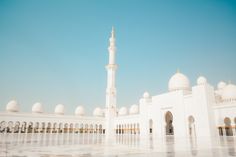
x: 89, y: 145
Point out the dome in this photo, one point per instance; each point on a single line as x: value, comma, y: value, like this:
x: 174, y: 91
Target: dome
x: 201, y: 80
x: 134, y: 109
x: 221, y: 85
x: 229, y: 92
x: 79, y: 111
x: 59, y: 109
x: 12, y: 106
x: 98, y: 112
x: 179, y: 82
x: 37, y: 108
x: 123, y: 111
x: 146, y: 95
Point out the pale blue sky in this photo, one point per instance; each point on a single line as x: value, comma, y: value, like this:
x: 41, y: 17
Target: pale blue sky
x: 56, y: 51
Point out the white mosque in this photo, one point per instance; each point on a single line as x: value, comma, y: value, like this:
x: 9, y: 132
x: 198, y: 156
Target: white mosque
x: 183, y: 111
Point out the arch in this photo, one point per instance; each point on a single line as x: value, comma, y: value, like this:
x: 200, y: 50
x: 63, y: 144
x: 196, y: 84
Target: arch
x: 2, y: 126
x: 116, y: 129
x: 86, y: 128
x: 76, y: 128
x: 131, y: 128
x: 134, y: 128
x: 43, y: 127
x: 54, y: 126
x: 65, y: 128
x: 96, y: 128
x: 36, y: 127
x: 71, y: 129
x: 17, y: 127
x: 228, y: 127
x: 100, y: 129
x: 191, y: 126
x: 81, y: 128
x: 138, y: 129
x: 119, y: 129
x: 49, y: 126
x: 150, y: 126
x: 91, y: 128
x: 169, y: 125
x: 128, y: 129
x: 23, y: 127
x: 235, y: 120
x: 220, y: 131
x: 235, y: 124
x: 125, y: 129
x: 30, y: 127
x: 122, y: 129
x: 60, y: 128
x: 9, y: 127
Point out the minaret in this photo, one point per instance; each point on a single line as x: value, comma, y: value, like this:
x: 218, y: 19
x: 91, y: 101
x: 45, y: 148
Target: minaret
x: 111, y: 73
x: 111, y: 88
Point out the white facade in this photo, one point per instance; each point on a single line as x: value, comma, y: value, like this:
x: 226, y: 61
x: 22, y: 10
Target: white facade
x: 183, y: 111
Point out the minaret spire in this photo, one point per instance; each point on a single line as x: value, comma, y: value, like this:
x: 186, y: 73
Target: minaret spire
x: 112, y: 47
x: 113, y: 32
x: 111, y: 72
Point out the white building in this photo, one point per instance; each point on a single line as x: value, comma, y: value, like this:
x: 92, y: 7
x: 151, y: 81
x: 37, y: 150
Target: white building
x: 183, y: 111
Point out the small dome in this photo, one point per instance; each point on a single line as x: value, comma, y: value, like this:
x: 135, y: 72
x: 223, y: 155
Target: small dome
x: 221, y: 85
x: 98, y: 112
x: 201, y: 80
x: 12, y: 106
x: 123, y: 111
x: 146, y: 95
x: 79, y: 111
x: 59, y: 109
x: 37, y: 108
x: 229, y: 92
x: 134, y: 109
x: 179, y: 82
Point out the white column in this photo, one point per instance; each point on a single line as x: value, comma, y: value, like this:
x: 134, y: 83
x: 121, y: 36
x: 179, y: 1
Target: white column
x: 111, y: 73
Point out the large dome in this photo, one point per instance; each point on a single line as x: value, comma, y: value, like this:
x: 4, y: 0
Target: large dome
x: 79, y: 111
x: 123, y: 111
x: 59, y: 109
x: 229, y: 92
x: 12, y: 106
x: 37, y: 108
x: 98, y: 112
x: 134, y: 109
x: 179, y: 82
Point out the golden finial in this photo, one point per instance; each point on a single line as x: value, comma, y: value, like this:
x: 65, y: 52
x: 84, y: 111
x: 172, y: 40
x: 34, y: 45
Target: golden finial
x: 177, y: 71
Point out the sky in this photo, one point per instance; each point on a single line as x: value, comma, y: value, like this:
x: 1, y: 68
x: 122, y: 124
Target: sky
x: 55, y: 51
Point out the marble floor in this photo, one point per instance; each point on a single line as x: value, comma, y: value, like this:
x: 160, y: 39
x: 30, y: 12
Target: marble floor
x: 91, y: 145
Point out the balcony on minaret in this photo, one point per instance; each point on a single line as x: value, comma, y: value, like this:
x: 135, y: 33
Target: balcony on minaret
x: 111, y: 66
